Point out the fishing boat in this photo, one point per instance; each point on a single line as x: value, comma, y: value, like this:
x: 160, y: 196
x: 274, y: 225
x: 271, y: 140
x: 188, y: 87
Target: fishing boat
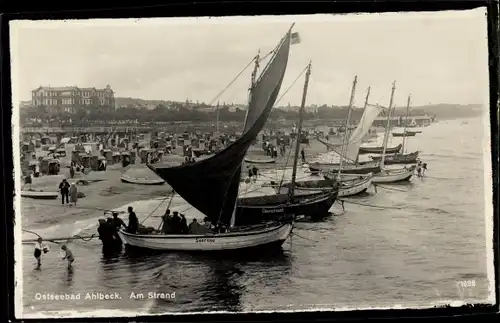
x: 349, y: 185
x: 268, y: 160
x: 41, y: 195
x: 141, y: 181
x: 402, y: 157
x: 398, y: 158
x: 378, y: 150
x: 392, y: 175
x: 350, y: 148
x: 211, y: 185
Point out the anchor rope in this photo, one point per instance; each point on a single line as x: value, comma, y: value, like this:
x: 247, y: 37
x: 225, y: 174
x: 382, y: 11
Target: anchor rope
x: 374, y: 206
x: 388, y: 188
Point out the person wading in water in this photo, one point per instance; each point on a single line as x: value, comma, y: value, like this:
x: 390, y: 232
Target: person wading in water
x: 117, y: 224
x: 64, y: 188
x: 67, y: 255
x: 39, y: 247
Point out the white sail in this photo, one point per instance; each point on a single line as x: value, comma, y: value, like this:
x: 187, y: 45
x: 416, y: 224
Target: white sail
x: 369, y: 115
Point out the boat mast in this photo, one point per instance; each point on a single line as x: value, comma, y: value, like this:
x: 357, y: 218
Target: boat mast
x: 348, y: 120
x: 406, y: 122
x: 217, y: 124
x: 252, y: 81
x: 291, y: 191
x: 364, y: 108
x: 387, y: 128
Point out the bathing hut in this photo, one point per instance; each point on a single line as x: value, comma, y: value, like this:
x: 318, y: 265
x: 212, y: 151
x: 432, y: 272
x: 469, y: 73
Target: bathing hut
x: 94, y: 162
x: 61, y: 152
x: 45, y: 140
x: 108, y: 154
x: 101, y: 163
x: 84, y: 160
x: 125, y: 159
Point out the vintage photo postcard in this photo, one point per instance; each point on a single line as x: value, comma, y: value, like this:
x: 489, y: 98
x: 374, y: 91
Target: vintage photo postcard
x: 251, y: 164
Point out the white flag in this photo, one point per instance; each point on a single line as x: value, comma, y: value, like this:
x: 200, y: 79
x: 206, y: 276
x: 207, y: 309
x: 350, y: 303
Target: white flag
x: 295, y: 38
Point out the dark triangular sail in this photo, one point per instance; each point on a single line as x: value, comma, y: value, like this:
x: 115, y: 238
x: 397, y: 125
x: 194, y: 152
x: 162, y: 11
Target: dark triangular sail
x: 211, y: 185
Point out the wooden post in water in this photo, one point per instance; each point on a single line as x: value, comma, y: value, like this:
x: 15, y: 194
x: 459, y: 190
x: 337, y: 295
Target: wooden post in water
x: 388, y: 127
x: 299, y: 132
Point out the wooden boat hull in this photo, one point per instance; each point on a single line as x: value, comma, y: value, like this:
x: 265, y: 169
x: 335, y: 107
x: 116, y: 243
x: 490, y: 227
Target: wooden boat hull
x: 40, y: 195
x: 354, y: 185
x: 394, y: 176
x: 408, y: 134
x: 259, y: 209
x: 398, y: 159
x: 260, y: 161
x: 141, y: 181
x: 379, y: 150
x: 273, y: 235
x: 371, y: 167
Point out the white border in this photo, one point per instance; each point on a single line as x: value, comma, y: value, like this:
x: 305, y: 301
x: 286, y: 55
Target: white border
x: 49, y: 24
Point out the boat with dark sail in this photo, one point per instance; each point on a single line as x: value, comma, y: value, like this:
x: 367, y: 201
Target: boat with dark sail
x: 211, y: 185
x: 378, y: 150
x: 312, y: 205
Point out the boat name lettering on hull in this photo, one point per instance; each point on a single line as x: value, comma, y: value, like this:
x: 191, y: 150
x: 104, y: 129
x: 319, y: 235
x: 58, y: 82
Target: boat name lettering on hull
x: 265, y: 211
x: 202, y: 240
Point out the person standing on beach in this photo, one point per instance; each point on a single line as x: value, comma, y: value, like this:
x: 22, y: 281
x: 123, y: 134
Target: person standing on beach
x: 303, y: 155
x: 73, y: 192
x: 71, y: 171
x: 64, y: 189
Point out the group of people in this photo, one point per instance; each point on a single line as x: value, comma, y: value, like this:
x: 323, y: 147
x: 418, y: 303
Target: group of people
x: 41, y: 247
x: 176, y: 223
x: 189, y: 160
x: 421, y: 168
x: 108, y: 229
x: 253, y: 173
x: 66, y: 189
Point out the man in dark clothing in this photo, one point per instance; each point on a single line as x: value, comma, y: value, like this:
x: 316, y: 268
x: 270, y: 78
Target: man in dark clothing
x: 133, y: 222
x: 303, y: 155
x: 64, y: 189
x: 250, y: 173
x: 184, y: 227
x: 176, y: 223
x: 117, y: 223
x: 72, y: 171
x: 255, y: 172
x: 166, y: 222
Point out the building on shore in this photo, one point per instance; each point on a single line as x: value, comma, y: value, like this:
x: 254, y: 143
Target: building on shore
x: 399, y: 121
x: 70, y: 98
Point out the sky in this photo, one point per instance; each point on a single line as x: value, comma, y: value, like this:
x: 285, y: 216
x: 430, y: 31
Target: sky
x: 437, y: 57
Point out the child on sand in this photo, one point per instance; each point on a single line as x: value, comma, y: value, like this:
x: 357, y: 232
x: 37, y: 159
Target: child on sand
x: 67, y: 255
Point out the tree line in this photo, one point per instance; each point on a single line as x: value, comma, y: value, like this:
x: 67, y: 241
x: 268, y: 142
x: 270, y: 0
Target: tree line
x: 180, y: 113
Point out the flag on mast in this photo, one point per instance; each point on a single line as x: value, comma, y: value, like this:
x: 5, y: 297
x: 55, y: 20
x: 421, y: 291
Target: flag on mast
x: 295, y: 38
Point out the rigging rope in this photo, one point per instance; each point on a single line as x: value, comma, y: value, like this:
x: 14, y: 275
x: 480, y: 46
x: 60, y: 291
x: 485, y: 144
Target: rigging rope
x: 159, y: 204
x: 288, y: 89
x: 388, y: 188
x: 231, y: 83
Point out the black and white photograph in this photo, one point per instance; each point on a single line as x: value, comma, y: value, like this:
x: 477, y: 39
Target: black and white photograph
x: 251, y: 164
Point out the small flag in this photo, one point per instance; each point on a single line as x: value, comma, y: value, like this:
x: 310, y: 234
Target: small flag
x: 295, y: 38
